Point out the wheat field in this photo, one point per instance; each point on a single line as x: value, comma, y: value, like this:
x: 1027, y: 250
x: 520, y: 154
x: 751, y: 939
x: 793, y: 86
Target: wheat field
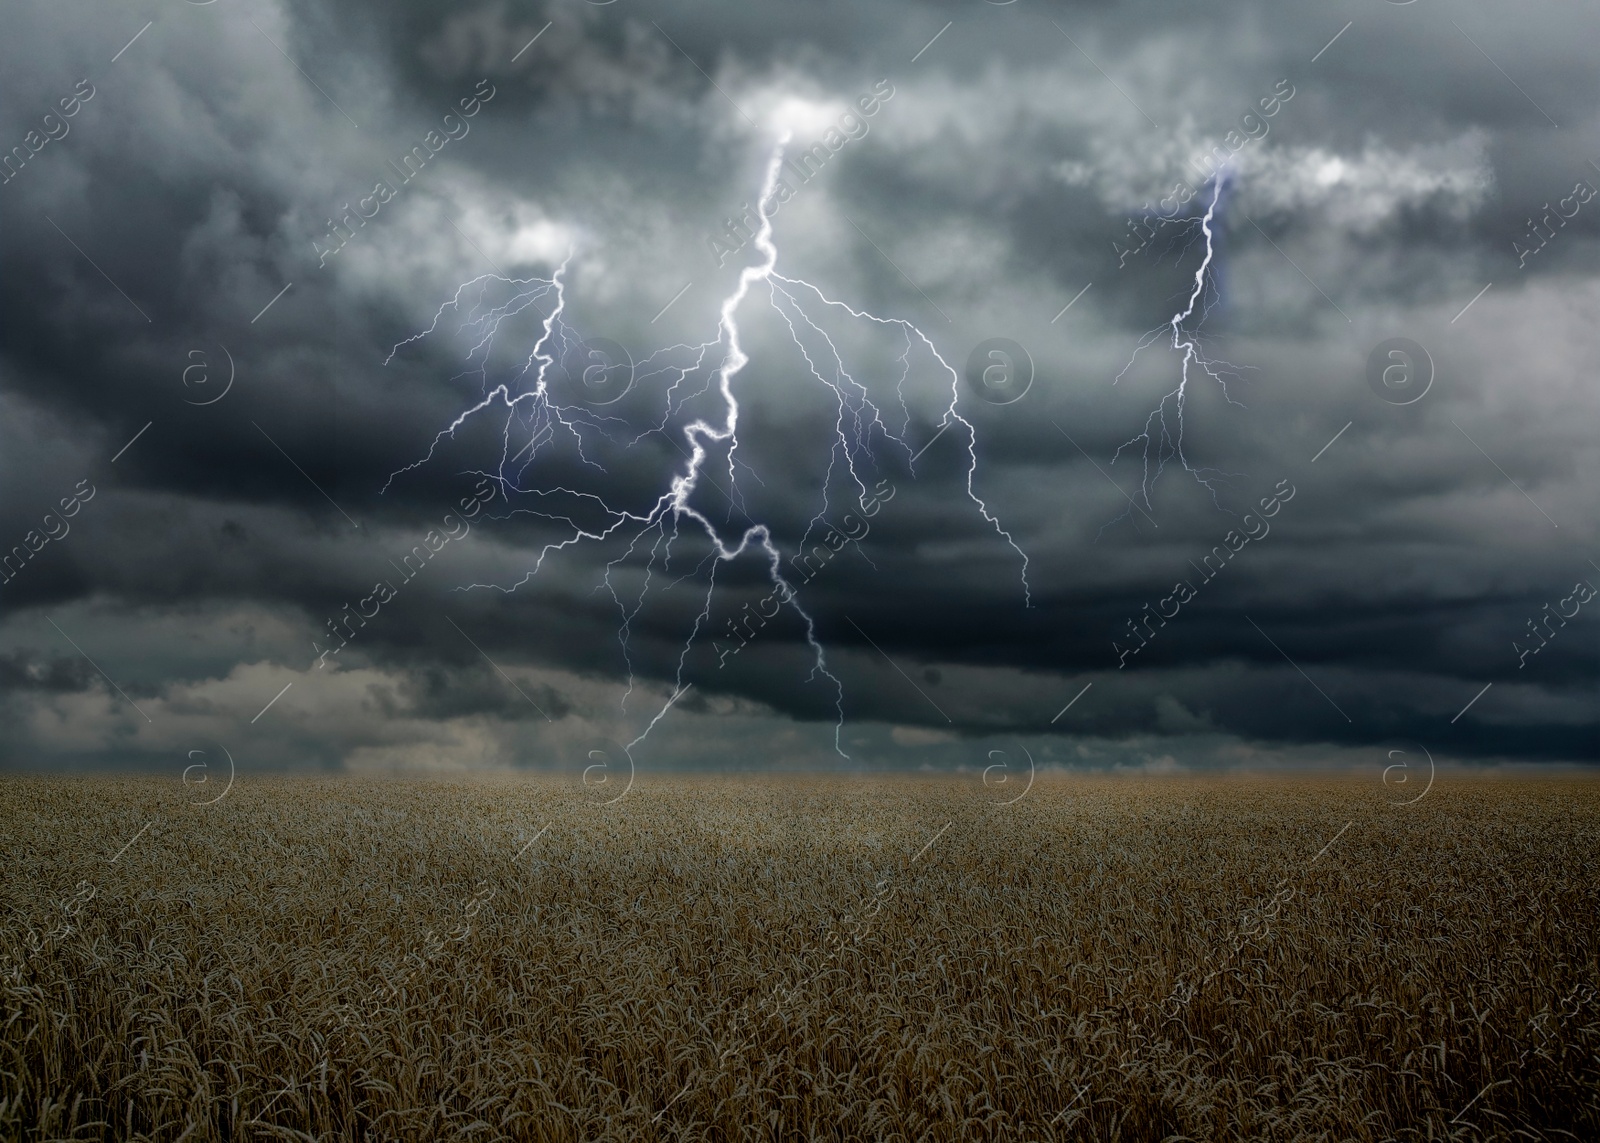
x: 800, y: 958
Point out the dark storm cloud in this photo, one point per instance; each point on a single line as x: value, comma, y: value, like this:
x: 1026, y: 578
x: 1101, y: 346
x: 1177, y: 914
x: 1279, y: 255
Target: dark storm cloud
x: 25, y: 670
x: 167, y: 282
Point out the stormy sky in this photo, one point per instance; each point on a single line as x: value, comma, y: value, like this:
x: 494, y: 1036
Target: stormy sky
x: 408, y: 387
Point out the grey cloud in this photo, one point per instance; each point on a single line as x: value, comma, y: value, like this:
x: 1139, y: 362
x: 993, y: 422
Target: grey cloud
x: 987, y: 194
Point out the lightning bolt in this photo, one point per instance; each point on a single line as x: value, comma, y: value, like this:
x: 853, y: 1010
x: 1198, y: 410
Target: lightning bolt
x: 1162, y: 438
x: 528, y: 405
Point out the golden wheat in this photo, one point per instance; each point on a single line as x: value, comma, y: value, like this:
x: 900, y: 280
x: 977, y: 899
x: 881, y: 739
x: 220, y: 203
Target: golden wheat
x: 800, y: 959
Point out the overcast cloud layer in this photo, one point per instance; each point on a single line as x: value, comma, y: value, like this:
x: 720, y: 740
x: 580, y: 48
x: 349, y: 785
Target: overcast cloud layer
x: 213, y: 248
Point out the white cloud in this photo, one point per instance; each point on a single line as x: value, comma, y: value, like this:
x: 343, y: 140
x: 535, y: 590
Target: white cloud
x: 1361, y: 192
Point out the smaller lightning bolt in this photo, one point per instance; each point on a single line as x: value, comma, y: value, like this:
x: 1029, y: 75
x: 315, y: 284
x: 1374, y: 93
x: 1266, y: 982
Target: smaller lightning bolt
x: 1162, y: 438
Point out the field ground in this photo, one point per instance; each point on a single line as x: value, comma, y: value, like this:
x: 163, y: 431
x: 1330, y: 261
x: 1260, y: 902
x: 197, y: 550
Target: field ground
x: 800, y: 958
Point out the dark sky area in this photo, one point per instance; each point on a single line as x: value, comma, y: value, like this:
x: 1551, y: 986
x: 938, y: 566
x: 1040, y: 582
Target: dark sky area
x: 426, y: 367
